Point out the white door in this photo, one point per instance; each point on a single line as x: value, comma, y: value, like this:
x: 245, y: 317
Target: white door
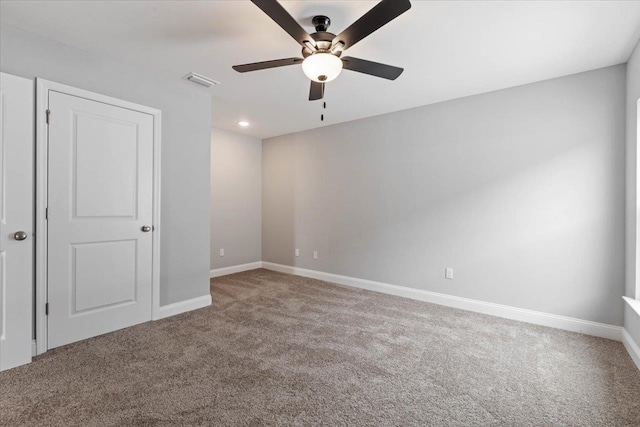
x: 16, y: 220
x: 100, y: 203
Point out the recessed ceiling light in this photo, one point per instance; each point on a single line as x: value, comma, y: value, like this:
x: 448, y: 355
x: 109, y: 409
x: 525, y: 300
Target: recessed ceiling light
x: 243, y: 124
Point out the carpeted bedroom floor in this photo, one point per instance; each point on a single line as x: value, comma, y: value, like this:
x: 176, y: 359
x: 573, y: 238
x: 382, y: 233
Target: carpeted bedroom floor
x: 276, y: 349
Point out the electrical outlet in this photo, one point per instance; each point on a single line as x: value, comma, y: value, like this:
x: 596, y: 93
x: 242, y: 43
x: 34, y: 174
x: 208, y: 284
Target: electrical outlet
x: 297, y: 252
x: 222, y: 252
x: 315, y: 254
x: 448, y: 273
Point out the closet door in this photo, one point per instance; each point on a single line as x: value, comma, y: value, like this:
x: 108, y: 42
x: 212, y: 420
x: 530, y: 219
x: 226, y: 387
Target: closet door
x: 16, y: 220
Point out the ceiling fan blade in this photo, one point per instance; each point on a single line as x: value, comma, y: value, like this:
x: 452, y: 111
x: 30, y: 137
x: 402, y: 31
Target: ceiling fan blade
x: 372, y: 68
x: 317, y: 91
x: 381, y: 14
x: 255, y: 66
x: 286, y: 21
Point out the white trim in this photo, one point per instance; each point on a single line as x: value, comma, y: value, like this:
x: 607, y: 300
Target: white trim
x: 42, y: 102
x: 34, y: 348
x: 633, y: 303
x: 632, y: 347
x: 536, y: 317
x: 223, y: 271
x: 184, y: 306
x: 157, y: 229
x: 636, y: 199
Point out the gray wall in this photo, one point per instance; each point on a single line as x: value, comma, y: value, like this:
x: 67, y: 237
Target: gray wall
x: 186, y: 124
x: 632, y: 320
x: 236, y: 198
x: 521, y: 191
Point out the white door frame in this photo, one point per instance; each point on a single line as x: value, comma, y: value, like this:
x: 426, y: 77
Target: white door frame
x: 42, y: 101
x: 637, y: 198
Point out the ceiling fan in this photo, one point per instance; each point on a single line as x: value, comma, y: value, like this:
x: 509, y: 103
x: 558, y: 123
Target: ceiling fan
x: 321, y: 51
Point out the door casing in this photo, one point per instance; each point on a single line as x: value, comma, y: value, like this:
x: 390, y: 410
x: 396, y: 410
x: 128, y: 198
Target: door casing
x: 43, y: 87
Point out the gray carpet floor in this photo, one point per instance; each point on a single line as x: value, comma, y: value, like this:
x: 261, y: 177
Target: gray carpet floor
x: 276, y: 349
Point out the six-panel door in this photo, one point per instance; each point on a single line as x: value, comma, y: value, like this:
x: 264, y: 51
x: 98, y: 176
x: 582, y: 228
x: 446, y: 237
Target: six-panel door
x: 99, y: 202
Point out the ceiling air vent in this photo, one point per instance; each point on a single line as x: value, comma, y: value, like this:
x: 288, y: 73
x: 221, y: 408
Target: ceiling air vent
x: 201, y: 80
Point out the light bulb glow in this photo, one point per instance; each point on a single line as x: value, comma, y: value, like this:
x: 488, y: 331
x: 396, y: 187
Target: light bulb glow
x: 322, y: 67
x: 243, y: 124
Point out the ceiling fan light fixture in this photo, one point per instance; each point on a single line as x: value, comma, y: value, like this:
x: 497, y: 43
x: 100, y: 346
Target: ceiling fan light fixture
x: 322, y: 67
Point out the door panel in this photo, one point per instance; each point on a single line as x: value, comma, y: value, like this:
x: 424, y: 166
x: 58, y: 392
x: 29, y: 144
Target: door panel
x: 106, y: 284
x: 16, y: 214
x: 106, y: 159
x: 99, y: 198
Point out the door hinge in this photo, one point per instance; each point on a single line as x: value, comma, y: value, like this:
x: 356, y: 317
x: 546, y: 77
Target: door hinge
x: 46, y: 309
x: 48, y: 115
x: 46, y: 213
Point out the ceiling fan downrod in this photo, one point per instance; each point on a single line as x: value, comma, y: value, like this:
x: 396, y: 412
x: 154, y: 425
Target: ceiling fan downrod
x: 321, y: 23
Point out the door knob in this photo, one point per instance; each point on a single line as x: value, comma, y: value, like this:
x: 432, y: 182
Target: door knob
x: 146, y: 228
x: 20, y: 235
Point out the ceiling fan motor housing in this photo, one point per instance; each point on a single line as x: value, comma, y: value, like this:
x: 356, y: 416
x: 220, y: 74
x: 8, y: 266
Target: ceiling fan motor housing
x: 323, y: 41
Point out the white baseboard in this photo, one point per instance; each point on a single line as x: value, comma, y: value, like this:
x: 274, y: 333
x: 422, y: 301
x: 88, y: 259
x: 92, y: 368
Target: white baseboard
x: 235, y: 269
x: 184, y: 306
x: 632, y: 347
x: 530, y: 316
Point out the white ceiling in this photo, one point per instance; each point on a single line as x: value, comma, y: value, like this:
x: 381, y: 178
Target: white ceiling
x: 449, y: 49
